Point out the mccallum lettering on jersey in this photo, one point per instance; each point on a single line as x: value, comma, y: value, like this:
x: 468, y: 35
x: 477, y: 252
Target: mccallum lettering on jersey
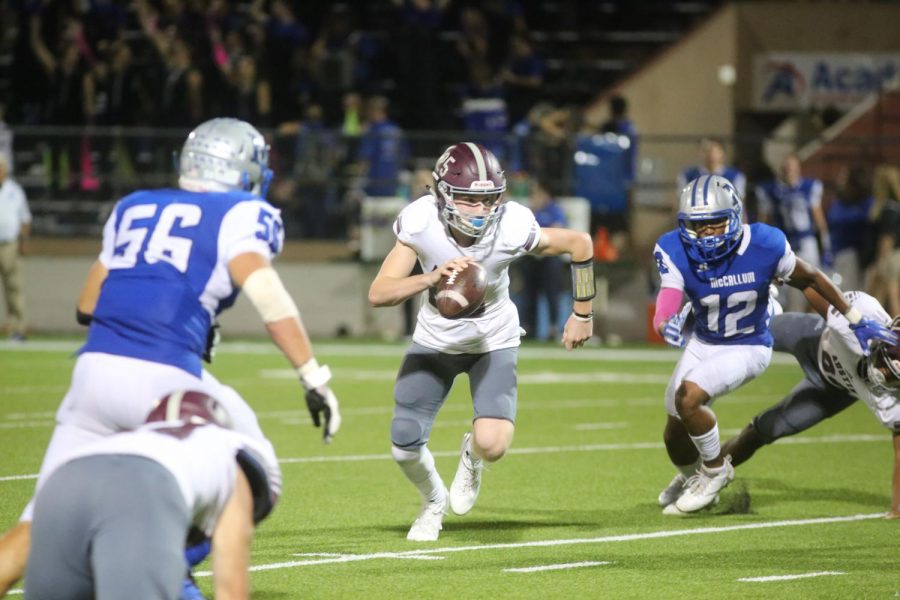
x: 730, y: 280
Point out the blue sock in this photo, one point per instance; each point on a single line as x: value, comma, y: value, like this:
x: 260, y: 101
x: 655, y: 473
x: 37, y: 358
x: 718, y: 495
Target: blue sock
x: 196, y: 553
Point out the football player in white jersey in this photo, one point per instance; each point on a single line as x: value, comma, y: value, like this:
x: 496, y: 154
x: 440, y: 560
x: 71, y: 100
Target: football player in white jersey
x: 725, y: 268
x: 466, y: 219
x: 110, y: 521
x: 171, y: 260
x: 837, y: 374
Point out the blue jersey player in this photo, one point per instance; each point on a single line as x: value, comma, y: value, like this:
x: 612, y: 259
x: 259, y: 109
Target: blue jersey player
x: 171, y: 260
x: 725, y: 268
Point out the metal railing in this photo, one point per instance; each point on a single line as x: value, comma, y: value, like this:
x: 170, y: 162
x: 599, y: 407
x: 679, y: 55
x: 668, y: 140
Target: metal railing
x: 72, y: 175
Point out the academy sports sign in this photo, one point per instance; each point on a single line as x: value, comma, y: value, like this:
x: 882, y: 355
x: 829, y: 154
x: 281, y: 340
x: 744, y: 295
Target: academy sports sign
x: 795, y: 80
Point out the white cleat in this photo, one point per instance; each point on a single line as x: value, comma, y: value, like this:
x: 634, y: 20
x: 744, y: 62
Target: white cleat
x: 669, y: 495
x: 704, y: 486
x: 672, y: 511
x: 467, y: 482
x: 427, y: 526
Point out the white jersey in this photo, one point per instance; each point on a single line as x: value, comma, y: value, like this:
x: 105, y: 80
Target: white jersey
x: 203, y: 463
x: 514, y: 234
x: 840, y: 355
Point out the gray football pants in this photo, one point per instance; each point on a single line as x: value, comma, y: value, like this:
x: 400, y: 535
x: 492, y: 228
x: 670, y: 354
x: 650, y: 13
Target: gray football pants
x: 426, y: 377
x: 108, y: 527
x: 812, y: 400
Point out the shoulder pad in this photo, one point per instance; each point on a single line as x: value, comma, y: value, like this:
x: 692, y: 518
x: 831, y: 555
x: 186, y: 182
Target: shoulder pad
x: 414, y: 218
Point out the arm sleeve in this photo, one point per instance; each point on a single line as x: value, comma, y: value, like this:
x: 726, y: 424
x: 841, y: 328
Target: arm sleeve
x: 668, y: 302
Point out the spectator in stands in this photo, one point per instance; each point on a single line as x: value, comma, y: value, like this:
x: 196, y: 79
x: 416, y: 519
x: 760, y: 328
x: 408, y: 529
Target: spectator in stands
x: 621, y: 124
x: 542, y: 275
x: 63, y: 104
x: 250, y: 93
x: 180, y: 103
x: 484, y: 110
x: 473, y: 44
x: 282, y: 34
x: 6, y: 140
x: 601, y: 176
x: 883, y: 271
x: 382, y: 150
x: 793, y: 204
x: 848, y: 224
x: 712, y: 162
x: 417, y: 46
x: 340, y: 54
x: 522, y: 76
x: 15, y: 226
x: 310, y: 189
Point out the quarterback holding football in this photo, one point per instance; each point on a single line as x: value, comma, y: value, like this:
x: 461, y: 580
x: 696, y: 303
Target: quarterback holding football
x: 466, y: 219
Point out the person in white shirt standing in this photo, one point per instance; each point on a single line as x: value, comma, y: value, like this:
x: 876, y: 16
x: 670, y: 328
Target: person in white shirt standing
x: 15, y: 227
x: 466, y: 219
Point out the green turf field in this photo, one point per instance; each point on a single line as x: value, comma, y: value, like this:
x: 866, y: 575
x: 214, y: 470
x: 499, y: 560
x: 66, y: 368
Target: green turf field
x: 570, y: 512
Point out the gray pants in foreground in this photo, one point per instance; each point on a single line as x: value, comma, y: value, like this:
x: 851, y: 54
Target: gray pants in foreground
x: 812, y: 400
x: 108, y: 527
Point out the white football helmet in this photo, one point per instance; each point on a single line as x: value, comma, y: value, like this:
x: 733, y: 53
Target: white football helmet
x: 883, y: 364
x: 225, y: 154
x: 710, y: 198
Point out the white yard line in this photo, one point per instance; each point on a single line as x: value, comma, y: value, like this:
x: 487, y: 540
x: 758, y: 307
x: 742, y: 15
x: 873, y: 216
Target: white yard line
x: 335, y: 558
x: 631, y: 537
x: 577, y: 565
x: 827, y: 439
x: 598, y: 426
x: 789, y: 577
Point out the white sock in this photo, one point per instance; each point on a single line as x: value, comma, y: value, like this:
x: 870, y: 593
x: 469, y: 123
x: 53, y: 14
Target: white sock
x: 708, y: 444
x: 418, y: 466
x: 474, y: 459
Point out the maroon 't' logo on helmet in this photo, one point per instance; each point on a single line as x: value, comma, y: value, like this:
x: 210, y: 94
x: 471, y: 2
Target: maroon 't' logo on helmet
x: 473, y: 170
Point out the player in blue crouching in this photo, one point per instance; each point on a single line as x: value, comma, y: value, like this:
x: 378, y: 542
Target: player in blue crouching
x: 725, y: 268
x: 173, y: 259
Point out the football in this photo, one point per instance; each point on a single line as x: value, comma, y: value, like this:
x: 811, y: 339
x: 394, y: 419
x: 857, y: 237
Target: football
x: 461, y: 293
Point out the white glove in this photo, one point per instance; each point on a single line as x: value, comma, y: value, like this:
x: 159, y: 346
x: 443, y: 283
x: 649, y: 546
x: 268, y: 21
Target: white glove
x: 673, y: 330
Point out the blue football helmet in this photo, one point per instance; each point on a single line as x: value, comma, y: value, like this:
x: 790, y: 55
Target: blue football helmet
x: 225, y: 154
x: 710, y: 198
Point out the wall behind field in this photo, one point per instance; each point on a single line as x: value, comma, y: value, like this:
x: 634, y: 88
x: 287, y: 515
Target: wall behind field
x: 331, y: 297
x: 809, y: 27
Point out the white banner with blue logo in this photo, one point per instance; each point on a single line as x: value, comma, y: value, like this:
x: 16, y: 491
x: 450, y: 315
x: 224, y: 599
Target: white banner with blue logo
x: 795, y: 80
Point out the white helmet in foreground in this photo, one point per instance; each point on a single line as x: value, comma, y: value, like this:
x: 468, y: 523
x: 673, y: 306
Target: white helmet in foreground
x: 225, y: 154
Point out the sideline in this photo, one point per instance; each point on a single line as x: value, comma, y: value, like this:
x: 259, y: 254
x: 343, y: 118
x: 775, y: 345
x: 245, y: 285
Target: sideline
x: 381, y: 350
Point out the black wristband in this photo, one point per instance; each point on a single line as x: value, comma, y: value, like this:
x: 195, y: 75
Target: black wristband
x: 83, y: 318
x: 590, y: 315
